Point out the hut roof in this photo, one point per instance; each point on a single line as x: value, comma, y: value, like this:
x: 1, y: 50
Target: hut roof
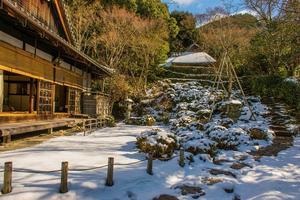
x: 190, y: 58
x: 194, y: 58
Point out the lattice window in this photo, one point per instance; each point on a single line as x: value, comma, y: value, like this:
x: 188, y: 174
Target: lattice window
x: 45, y: 98
x: 74, y: 101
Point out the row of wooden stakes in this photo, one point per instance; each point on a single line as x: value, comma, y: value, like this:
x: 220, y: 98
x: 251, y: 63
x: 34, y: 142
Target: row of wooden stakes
x: 8, y: 169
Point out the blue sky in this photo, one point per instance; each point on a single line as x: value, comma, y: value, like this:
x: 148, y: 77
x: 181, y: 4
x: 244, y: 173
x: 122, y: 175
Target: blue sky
x: 200, y: 6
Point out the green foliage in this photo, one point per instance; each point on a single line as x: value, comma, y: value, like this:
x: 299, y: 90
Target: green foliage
x: 241, y: 21
x: 110, y: 121
x: 274, y: 50
x: 187, y: 34
x: 275, y: 86
x: 128, y: 4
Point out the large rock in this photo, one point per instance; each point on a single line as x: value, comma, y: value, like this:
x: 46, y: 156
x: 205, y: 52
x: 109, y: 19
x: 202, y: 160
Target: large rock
x: 165, y: 197
x: 231, y: 108
x: 193, y: 191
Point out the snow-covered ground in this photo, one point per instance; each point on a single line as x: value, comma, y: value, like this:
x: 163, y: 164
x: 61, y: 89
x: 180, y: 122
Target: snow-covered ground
x: 271, y: 178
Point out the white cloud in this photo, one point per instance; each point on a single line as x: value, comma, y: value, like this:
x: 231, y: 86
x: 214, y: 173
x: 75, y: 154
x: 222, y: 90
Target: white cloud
x: 184, y: 2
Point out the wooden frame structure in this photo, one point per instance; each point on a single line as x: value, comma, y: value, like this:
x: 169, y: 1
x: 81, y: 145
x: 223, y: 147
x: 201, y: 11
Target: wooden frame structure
x: 36, y: 42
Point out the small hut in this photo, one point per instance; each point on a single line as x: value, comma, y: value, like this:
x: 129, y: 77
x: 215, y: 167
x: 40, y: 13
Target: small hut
x: 191, y: 64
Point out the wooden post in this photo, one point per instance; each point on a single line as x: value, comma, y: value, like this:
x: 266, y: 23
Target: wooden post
x: 53, y: 99
x: 181, y: 158
x: 150, y: 165
x: 6, y: 137
x: 64, y: 178
x: 91, y: 123
x: 7, y: 178
x: 38, y: 97
x: 110, y: 172
x: 31, y: 99
x: 50, y: 131
x: 96, y: 123
x: 1, y: 90
x: 83, y: 127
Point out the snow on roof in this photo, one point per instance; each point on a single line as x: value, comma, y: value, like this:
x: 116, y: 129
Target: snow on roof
x: 194, y: 58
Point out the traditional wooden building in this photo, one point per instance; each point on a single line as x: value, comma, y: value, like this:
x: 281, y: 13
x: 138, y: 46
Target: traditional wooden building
x: 42, y: 73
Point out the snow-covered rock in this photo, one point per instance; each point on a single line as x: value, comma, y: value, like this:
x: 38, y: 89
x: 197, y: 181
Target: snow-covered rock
x: 157, y: 142
x: 192, y: 106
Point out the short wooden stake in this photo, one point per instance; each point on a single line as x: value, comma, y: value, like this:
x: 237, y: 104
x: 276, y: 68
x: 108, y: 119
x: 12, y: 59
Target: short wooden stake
x: 7, y: 178
x: 50, y: 131
x: 6, y: 138
x: 83, y: 127
x: 64, y: 178
x: 110, y: 172
x: 150, y: 165
x: 181, y: 158
x: 96, y: 123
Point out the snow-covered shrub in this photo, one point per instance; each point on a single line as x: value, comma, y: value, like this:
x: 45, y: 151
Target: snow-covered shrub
x: 139, y: 121
x: 110, y: 121
x: 203, y: 113
x: 157, y: 142
x: 259, y: 134
x: 149, y: 120
x: 200, y: 146
x: 229, y: 138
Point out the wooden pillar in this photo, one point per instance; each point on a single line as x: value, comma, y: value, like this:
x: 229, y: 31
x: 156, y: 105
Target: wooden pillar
x: 102, y: 82
x: 68, y: 100
x: 1, y: 90
x: 38, y: 96
x: 53, y: 99
x: 31, y: 97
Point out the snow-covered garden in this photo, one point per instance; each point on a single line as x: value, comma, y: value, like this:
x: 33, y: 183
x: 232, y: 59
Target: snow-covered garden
x: 269, y: 178
x: 220, y: 161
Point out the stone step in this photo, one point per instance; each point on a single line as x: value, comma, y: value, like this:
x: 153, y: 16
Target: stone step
x: 277, y: 128
x: 283, y: 133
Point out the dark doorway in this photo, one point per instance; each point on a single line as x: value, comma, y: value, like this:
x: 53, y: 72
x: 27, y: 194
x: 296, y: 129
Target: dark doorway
x: 61, y: 99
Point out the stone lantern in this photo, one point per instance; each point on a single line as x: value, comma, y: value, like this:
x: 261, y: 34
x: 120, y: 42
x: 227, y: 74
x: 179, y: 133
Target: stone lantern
x: 129, y: 103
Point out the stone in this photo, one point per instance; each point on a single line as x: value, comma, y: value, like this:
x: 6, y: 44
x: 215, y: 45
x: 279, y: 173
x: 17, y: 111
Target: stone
x: 229, y: 190
x: 227, y: 122
x: 194, y: 191
x: 239, y: 165
x: 221, y: 172
x: 165, y: 197
x: 220, y: 161
x: 211, y: 180
x: 231, y: 108
x: 237, y: 197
